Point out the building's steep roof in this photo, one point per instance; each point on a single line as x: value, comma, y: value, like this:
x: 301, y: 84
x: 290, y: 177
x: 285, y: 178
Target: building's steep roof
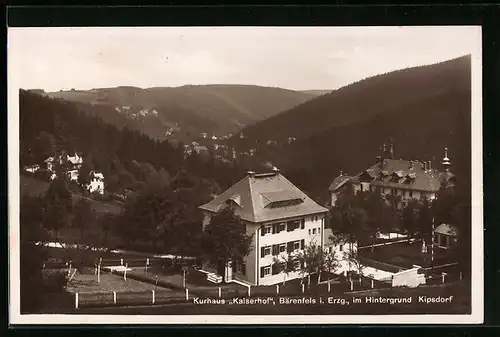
x: 398, y: 173
x: 75, y: 159
x: 338, y: 182
x: 265, y: 197
x: 446, y: 229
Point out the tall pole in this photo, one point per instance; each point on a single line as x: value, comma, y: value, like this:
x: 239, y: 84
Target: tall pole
x: 432, y: 247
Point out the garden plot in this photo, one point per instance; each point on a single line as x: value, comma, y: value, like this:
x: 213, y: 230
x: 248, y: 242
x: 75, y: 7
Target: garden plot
x: 87, y: 283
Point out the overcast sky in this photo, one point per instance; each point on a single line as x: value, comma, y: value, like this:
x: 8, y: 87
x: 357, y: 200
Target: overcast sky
x: 292, y: 58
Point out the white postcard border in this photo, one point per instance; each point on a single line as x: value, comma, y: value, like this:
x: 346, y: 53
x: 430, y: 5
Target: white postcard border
x: 477, y: 279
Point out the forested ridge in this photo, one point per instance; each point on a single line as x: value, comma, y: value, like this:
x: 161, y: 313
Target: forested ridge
x: 127, y: 158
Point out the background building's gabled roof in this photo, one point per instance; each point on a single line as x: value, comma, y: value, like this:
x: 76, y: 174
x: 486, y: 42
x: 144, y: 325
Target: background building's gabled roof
x: 446, y: 229
x: 256, y: 191
x: 338, y: 182
x: 421, y: 179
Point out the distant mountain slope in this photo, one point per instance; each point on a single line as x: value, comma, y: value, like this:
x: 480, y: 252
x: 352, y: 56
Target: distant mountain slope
x: 421, y: 109
x: 188, y: 110
x: 365, y: 99
x: 316, y: 92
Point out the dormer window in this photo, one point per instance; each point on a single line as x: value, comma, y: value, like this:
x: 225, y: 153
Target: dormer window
x: 282, y: 199
x: 234, y: 201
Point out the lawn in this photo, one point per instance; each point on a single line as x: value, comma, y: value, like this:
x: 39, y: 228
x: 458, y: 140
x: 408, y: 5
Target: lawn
x: 87, y: 283
x: 195, y: 281
x: 407, y: 254
x: 36, y: 187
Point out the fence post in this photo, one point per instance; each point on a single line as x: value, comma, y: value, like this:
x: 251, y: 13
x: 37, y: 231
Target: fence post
x: 277, y: 289
x: 442, y: 277
x: 153, y: 292
x: 303, y: 287
x: 125, y: 272
x: 351, y: 285
x: 76, y: 300
x: 220, y: 294
x: 249, y: 291
x: 114, y: 297
x: 121, y: 262
x: 187, y: 294
x: 99, y: 274
x: 372, y: 284
x: 328, y: 286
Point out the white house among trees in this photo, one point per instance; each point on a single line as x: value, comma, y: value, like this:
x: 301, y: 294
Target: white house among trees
x: 96, y: 183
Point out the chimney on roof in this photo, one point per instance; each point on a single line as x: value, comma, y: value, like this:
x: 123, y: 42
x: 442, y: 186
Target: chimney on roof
x: 275, y: 169
x: 425, y: 166
x: 429, y: 166
x: 250, y: 173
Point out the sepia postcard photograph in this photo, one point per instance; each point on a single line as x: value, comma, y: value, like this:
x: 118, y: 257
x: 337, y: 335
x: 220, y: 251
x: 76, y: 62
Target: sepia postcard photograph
x: 245, y: 175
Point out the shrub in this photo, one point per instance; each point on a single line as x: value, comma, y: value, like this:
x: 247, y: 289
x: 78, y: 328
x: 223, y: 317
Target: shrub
x: 56, y: 282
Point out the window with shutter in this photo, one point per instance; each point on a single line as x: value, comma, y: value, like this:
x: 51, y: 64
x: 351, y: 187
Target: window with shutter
x: 267, y: 250
x: 289, y: 247
x: 262, y: 231
x: 275, y: 269
x: 274, y: 229
x: 261, y: 272
x: 302, y: 244
x: 262, y: 252
x: 282, y: 248
x: 275, y: 249
x: 302, y: 224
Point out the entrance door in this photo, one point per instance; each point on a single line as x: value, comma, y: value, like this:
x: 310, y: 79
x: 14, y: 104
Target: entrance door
x: 220, y: 268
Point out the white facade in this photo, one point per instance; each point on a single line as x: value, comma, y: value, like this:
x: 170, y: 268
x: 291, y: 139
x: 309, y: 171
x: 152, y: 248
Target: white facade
x: 310, y: 232
x: 340, y: 251
x: 96, y: 184
x: 73, y: 175
x: 32, y: 168
x: 258, y: 264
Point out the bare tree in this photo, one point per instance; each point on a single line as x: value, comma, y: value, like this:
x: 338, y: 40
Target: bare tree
x: 354, y: 260
x: 286, y: 262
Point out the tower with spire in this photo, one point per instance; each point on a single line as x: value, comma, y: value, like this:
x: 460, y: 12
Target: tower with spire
x: 446, y: 161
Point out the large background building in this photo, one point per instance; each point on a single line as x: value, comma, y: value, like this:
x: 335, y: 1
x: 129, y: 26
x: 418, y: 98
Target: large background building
x: 281, y: 218
x: 396, y: 177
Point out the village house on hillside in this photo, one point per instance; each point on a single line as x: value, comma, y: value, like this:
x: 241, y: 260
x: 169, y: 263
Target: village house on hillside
x: 397, y: 177
x: 96, y: 184
x: 74, y: 164
x: 281, y: 218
